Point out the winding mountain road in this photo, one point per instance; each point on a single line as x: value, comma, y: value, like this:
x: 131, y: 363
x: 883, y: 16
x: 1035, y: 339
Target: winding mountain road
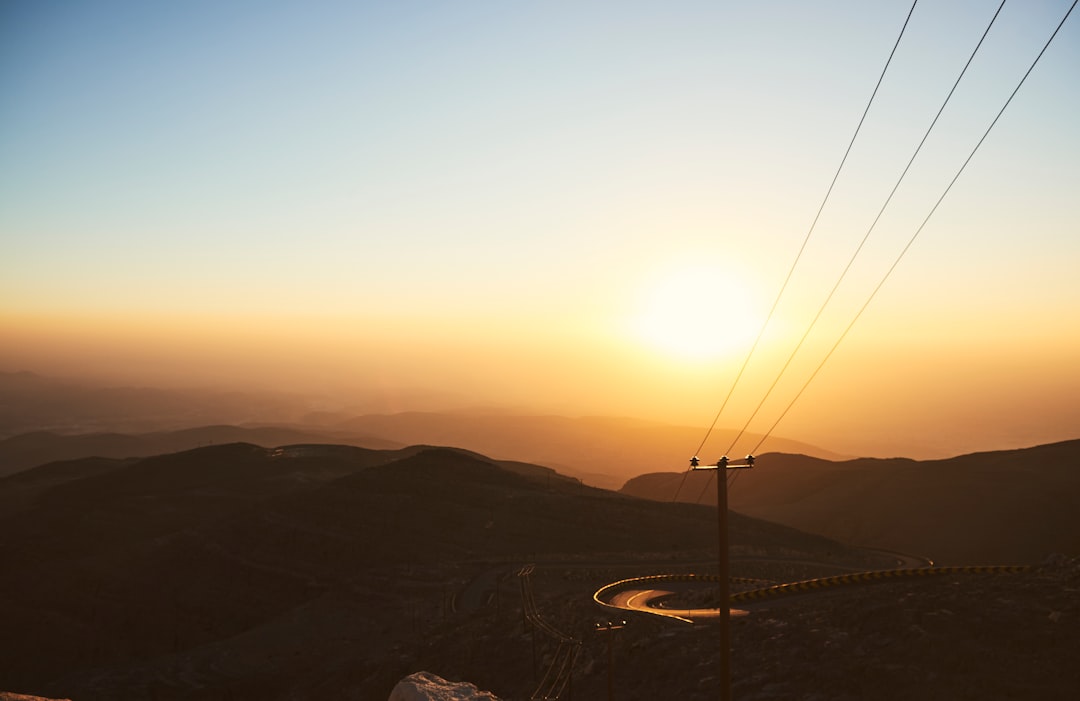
x: 645, y: 594
x: 647, y: 600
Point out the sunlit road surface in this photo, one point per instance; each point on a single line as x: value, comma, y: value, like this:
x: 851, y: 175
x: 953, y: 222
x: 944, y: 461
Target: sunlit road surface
x: 642, y: 600
x: 641, y: 595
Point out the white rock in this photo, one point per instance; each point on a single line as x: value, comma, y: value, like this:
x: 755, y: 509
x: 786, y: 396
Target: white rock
x: 425, y: 686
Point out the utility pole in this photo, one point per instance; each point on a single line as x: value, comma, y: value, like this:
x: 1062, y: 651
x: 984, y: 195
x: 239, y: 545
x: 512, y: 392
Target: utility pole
x: 610, y: 629
x: 722, y: 466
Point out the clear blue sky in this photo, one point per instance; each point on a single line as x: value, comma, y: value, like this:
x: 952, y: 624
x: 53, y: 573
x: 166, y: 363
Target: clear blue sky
x: 512, y: 184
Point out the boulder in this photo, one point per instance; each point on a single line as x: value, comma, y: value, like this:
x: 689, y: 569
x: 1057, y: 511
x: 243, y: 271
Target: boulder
x: 425, y: 686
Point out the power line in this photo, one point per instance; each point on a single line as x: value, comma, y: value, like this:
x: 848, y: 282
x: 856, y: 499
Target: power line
x: 557, y: 677
x: 802, y: 249
x: 806, y: 239
x: 914, y: 236
x: 866, y: 236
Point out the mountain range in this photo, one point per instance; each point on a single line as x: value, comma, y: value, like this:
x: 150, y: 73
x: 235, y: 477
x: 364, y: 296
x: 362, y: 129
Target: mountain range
x: 331, y: 556
x: 44, y: 419
x: 318, y: 570
x: 253, y: 571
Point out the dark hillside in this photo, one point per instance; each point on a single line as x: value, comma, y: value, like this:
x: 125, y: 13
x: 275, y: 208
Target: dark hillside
x: 1001, y: 507
x: 21, y: 490
x: 268, y: 572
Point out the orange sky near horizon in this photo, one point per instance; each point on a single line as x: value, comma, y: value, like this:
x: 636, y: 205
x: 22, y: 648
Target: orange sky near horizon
x: 893, y: 397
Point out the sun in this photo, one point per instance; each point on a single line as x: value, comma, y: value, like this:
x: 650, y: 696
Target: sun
x: 697, y: 312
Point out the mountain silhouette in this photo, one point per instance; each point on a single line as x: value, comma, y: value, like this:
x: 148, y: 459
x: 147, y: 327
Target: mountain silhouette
x: 1012, y: 506
x: 602, y: 451
x: 268, y: 571
x: 39, y: 447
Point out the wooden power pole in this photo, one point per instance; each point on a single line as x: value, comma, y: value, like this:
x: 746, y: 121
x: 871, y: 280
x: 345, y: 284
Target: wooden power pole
x: 724, y: 586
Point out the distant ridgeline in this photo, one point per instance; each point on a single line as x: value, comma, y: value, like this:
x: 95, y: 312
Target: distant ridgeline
x: 1003, y: 507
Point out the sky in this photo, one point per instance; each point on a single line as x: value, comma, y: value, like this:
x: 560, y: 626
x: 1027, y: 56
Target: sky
x: 568, y: 207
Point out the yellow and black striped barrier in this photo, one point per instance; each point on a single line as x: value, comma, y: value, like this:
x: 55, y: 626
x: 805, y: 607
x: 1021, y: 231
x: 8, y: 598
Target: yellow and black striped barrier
x: 803, y: 586
x: 874, y: 576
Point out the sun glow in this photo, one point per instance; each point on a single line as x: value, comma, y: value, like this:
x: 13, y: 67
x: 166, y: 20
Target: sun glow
x: 697, y: 313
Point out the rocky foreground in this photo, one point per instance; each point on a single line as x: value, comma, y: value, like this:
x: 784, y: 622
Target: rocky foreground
x: 941, y: 638
x: 948, y: 638
x: 425, y: 686
x: 329, y: 572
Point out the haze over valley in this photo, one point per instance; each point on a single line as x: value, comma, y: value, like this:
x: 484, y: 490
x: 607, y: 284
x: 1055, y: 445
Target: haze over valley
x: 342, y: 555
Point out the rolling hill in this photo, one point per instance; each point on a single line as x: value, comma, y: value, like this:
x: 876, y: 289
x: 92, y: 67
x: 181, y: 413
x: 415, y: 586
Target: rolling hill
x: 240, y: 571
x: 1000, y: 507
x: 44, y: 419
x: 602, y: 451
x: 39, y: 447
